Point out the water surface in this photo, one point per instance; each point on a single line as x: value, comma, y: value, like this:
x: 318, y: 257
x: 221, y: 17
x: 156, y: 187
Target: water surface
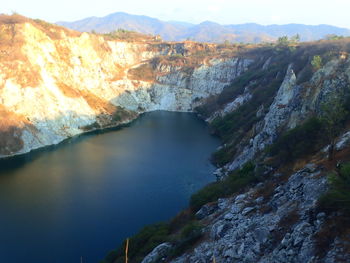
x: 85, y: 196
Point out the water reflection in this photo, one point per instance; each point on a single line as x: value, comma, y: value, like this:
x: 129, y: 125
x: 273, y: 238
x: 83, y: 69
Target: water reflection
x: 84, y: 197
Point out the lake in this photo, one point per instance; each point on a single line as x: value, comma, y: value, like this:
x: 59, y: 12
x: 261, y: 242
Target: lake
x: 87, y: 195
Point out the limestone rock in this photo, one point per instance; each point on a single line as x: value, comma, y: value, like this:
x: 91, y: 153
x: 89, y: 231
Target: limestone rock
x: 252, y: 236
x: 158, y: 253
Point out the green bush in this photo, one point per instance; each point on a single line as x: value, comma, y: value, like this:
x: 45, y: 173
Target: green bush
x: 122, y: 114
x: 338, y: 196
x: 233, y: 183
x: 223, y: 156
x: 142, y: 243
x: 298, y: 142
x: 233, y: 127
x: 316, y: 62
x: 190, y: 229
x: 153, y: 235
x: 191, y: 233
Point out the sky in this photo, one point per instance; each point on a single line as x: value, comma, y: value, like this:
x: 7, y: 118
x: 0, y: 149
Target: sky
x: 312, y: 12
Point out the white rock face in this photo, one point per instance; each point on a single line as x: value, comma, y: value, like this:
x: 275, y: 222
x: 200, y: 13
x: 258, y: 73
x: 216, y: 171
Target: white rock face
x: 71, y: 83
x: 176, y: 90
x: 231, y: 106
x: 279, y: 112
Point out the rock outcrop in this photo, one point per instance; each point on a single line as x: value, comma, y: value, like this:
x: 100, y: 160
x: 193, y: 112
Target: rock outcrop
x: 293, y: 103
x: 55, y: 83
x: 278, y: 220
x: 278, y: 227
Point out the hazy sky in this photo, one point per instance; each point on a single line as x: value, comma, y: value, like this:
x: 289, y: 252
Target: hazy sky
x: 334, y: 12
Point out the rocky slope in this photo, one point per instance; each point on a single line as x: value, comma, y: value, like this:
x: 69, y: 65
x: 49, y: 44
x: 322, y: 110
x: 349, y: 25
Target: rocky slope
x: 278, y: 219
x: 255, y: 227
x: 56, y: 83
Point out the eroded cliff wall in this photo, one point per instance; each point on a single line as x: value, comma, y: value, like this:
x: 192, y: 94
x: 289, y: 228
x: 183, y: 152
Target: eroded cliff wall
x: 56, y: 83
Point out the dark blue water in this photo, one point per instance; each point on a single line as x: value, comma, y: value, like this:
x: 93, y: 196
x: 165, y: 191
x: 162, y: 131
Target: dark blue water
x: 86, y: 196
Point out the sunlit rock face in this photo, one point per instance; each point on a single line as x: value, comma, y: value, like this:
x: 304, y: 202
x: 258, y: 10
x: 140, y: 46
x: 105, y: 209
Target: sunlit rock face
x: 56, y: 83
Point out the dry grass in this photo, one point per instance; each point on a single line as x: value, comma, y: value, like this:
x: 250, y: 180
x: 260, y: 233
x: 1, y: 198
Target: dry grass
x: 338, y: 226
x: 129, y: 36
x: 11, y: 128
x: 101, y: 47
x: 145, y: 72
x: 10, y: 140
x: 266, y: 191
x: 13, y: 19
x: 68, y: 91
x: 64, y: 52
x: 119, y: 73
x: 339, y: 156
x: 285, y: 225
x: 54, y: 31
x: 23, y: 73
x: 98, y: 104
x: 15, y: 65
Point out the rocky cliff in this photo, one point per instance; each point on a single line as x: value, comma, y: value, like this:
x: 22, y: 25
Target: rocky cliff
x: 274, y: 212
x: 56, y: 83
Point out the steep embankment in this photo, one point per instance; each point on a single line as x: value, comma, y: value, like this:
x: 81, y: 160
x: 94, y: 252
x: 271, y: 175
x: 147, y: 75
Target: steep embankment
x: 277, y: 108
x: 279, y: 122
x: 56, y: 83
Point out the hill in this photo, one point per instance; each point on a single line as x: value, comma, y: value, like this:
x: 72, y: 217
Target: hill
x: 207, y: 31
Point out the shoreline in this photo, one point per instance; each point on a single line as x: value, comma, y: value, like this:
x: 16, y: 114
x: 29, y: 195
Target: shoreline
x: 11, y: 161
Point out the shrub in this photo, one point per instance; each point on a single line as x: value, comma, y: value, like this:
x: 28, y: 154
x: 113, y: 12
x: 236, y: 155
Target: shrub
x: 333, y: 116
x: 233, y: 183
x: 283, y: 41
x: 338, y: 195
x: 181, y: 220
x: 233, y: 127
x: 189, y: 235
x: 144, y: 72
x: 142, y: 243
x: 316, y: 62
x: 190, y: 229
x: 121, y: 114
x: 298, y: 142
x: 223, y: 156
x: 153, y: 235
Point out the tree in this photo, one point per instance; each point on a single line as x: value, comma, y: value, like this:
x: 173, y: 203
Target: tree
x: 333, y: 37
x: 283, y: 41
x: 226, y: 43
x: 316, y: 62
x: 333, y: 115
x: 295, y: 39
x: 338, y: 195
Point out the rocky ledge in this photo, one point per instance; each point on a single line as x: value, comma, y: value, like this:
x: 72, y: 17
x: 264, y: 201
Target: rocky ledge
x: 275, y: 221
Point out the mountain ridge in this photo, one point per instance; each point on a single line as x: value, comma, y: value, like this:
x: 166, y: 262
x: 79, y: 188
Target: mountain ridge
x: 206, y: 31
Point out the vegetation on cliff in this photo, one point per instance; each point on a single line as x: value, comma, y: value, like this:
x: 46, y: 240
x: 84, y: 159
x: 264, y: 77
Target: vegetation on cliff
x: 298, y: 139
x: 184, y: 230
x: 291, y: 146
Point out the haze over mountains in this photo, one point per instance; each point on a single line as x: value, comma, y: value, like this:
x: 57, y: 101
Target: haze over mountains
x: 206, y: 31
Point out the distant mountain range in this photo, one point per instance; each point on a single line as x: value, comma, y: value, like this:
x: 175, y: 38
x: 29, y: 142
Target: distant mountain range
x: 207, y: 31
